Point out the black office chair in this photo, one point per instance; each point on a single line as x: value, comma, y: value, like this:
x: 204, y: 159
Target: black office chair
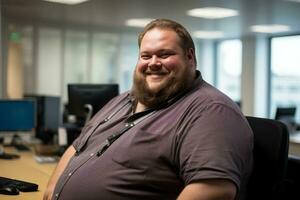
x: 271, y: 142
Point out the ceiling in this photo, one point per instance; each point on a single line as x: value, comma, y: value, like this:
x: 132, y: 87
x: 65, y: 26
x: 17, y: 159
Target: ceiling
x: 113, y: 13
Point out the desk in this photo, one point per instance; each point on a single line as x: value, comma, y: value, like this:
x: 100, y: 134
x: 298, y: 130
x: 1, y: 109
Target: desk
x: 294, y: 148
x: 27, y: 169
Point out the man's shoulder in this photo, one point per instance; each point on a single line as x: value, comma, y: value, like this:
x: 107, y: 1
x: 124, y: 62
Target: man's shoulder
x: 205, y: 95
x: 209, y: 93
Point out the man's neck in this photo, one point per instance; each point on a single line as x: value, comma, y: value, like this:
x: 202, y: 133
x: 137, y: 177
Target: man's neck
x: 139, y: 107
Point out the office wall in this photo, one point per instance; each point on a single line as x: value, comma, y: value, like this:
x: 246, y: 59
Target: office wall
x: 261, y: 77
x: 14, y: 70
x: 1, y: 61
x: 247, y: 78
x: 254, y: 80
x: 56, y: 55
x: 3, y: 55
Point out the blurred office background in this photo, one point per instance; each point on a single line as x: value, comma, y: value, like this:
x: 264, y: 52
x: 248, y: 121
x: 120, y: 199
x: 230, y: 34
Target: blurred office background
x: 47, y: 45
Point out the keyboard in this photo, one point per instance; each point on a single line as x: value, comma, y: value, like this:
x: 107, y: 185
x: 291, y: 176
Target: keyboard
x: 8, y: 156
x: 21, y: 147
x: 46, y: 159
x: 23, y: 186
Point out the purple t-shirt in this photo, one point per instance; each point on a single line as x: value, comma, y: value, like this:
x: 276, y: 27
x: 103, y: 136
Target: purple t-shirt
x: 203, y: 135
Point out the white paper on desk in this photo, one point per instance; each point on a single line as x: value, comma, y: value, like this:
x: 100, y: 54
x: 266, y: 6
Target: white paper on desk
x: 62, y: 136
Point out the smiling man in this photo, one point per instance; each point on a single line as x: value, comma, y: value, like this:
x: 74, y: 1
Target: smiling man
x: 163, y: 68
x: 173, y: 136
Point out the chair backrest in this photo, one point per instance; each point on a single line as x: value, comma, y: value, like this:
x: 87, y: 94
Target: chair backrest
x: 271, y: 143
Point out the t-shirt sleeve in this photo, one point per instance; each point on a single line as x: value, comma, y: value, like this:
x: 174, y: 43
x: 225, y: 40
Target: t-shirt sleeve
x: 216, y: 144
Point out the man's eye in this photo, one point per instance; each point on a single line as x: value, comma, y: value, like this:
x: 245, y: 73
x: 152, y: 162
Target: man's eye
x: 164, y: 55
x: 145, y: 57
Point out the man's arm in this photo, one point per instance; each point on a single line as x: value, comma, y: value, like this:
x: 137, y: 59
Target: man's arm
x: 58, y: 171
x: 209, y: 190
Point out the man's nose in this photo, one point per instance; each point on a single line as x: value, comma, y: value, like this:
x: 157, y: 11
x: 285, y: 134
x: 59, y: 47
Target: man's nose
x: 155, y: 63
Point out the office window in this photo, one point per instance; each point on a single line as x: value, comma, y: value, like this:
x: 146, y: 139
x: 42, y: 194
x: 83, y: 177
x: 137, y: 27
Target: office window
x: 66, y: 56
x: 75, y: 58
x: 285, y: 73
x: 229, y: 67
x: 104, y: 57
x: 27, y: 56
x: 49, y: 53
x: 128, y: 56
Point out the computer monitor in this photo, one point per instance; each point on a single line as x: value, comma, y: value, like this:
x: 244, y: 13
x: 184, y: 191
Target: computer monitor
x: 239, y: 103
x: 48, y: 116
x: 84, y: 100
x: 285, y: 113
x: 17, y: 117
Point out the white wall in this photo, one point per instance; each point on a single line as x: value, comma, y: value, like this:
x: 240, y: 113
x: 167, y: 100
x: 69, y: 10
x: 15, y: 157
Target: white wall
x: 247, y: 78
x: 254, y: 79
x: 1, y: 60
x: 261, y: 77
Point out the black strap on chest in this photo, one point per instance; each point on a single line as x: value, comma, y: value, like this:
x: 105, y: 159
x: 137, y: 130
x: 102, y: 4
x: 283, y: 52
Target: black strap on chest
x: 134, y: 120
x: 129, y: 123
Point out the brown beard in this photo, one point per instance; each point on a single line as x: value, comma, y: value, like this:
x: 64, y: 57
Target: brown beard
x: 167, y: 90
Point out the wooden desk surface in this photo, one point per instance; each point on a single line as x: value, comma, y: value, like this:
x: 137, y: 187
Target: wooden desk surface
x: 27, y: 169
x: 294, y: 148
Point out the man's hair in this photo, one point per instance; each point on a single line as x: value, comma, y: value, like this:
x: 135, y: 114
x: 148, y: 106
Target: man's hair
x: 185, y: 38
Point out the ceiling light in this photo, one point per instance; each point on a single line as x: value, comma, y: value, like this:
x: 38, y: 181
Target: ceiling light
x: 138, y: 22
x: 70, y: 2
x: 297, y: 1
x: 270, y: 28
x: 208, y: 34
x: 212, y: 12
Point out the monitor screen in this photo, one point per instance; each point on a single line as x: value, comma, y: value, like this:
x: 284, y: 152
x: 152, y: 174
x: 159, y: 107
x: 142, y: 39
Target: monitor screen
x: 47, y: 110
x: 48, y: 116
x: 286, y: 114
x: 95, y: 95
x: 17, y: 115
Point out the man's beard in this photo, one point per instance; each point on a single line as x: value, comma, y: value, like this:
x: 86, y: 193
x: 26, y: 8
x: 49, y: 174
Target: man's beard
x: 170, y: 88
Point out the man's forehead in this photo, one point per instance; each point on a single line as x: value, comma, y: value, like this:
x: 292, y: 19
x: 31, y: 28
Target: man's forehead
x: 160, y: 51
x: 156, y: 35
x: 160, y: 31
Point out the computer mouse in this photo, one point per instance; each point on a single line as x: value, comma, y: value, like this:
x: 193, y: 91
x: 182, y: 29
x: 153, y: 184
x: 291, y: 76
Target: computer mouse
x: 9, y: 190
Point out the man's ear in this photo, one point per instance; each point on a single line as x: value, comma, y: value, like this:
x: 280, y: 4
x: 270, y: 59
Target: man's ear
x: 190, y: 53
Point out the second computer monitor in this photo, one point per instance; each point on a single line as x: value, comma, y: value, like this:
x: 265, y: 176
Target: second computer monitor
x: 16, y: 118
x: 17, y: 115
x: 285, y: 113
x: 48, y: 116
x: 82, y: 97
